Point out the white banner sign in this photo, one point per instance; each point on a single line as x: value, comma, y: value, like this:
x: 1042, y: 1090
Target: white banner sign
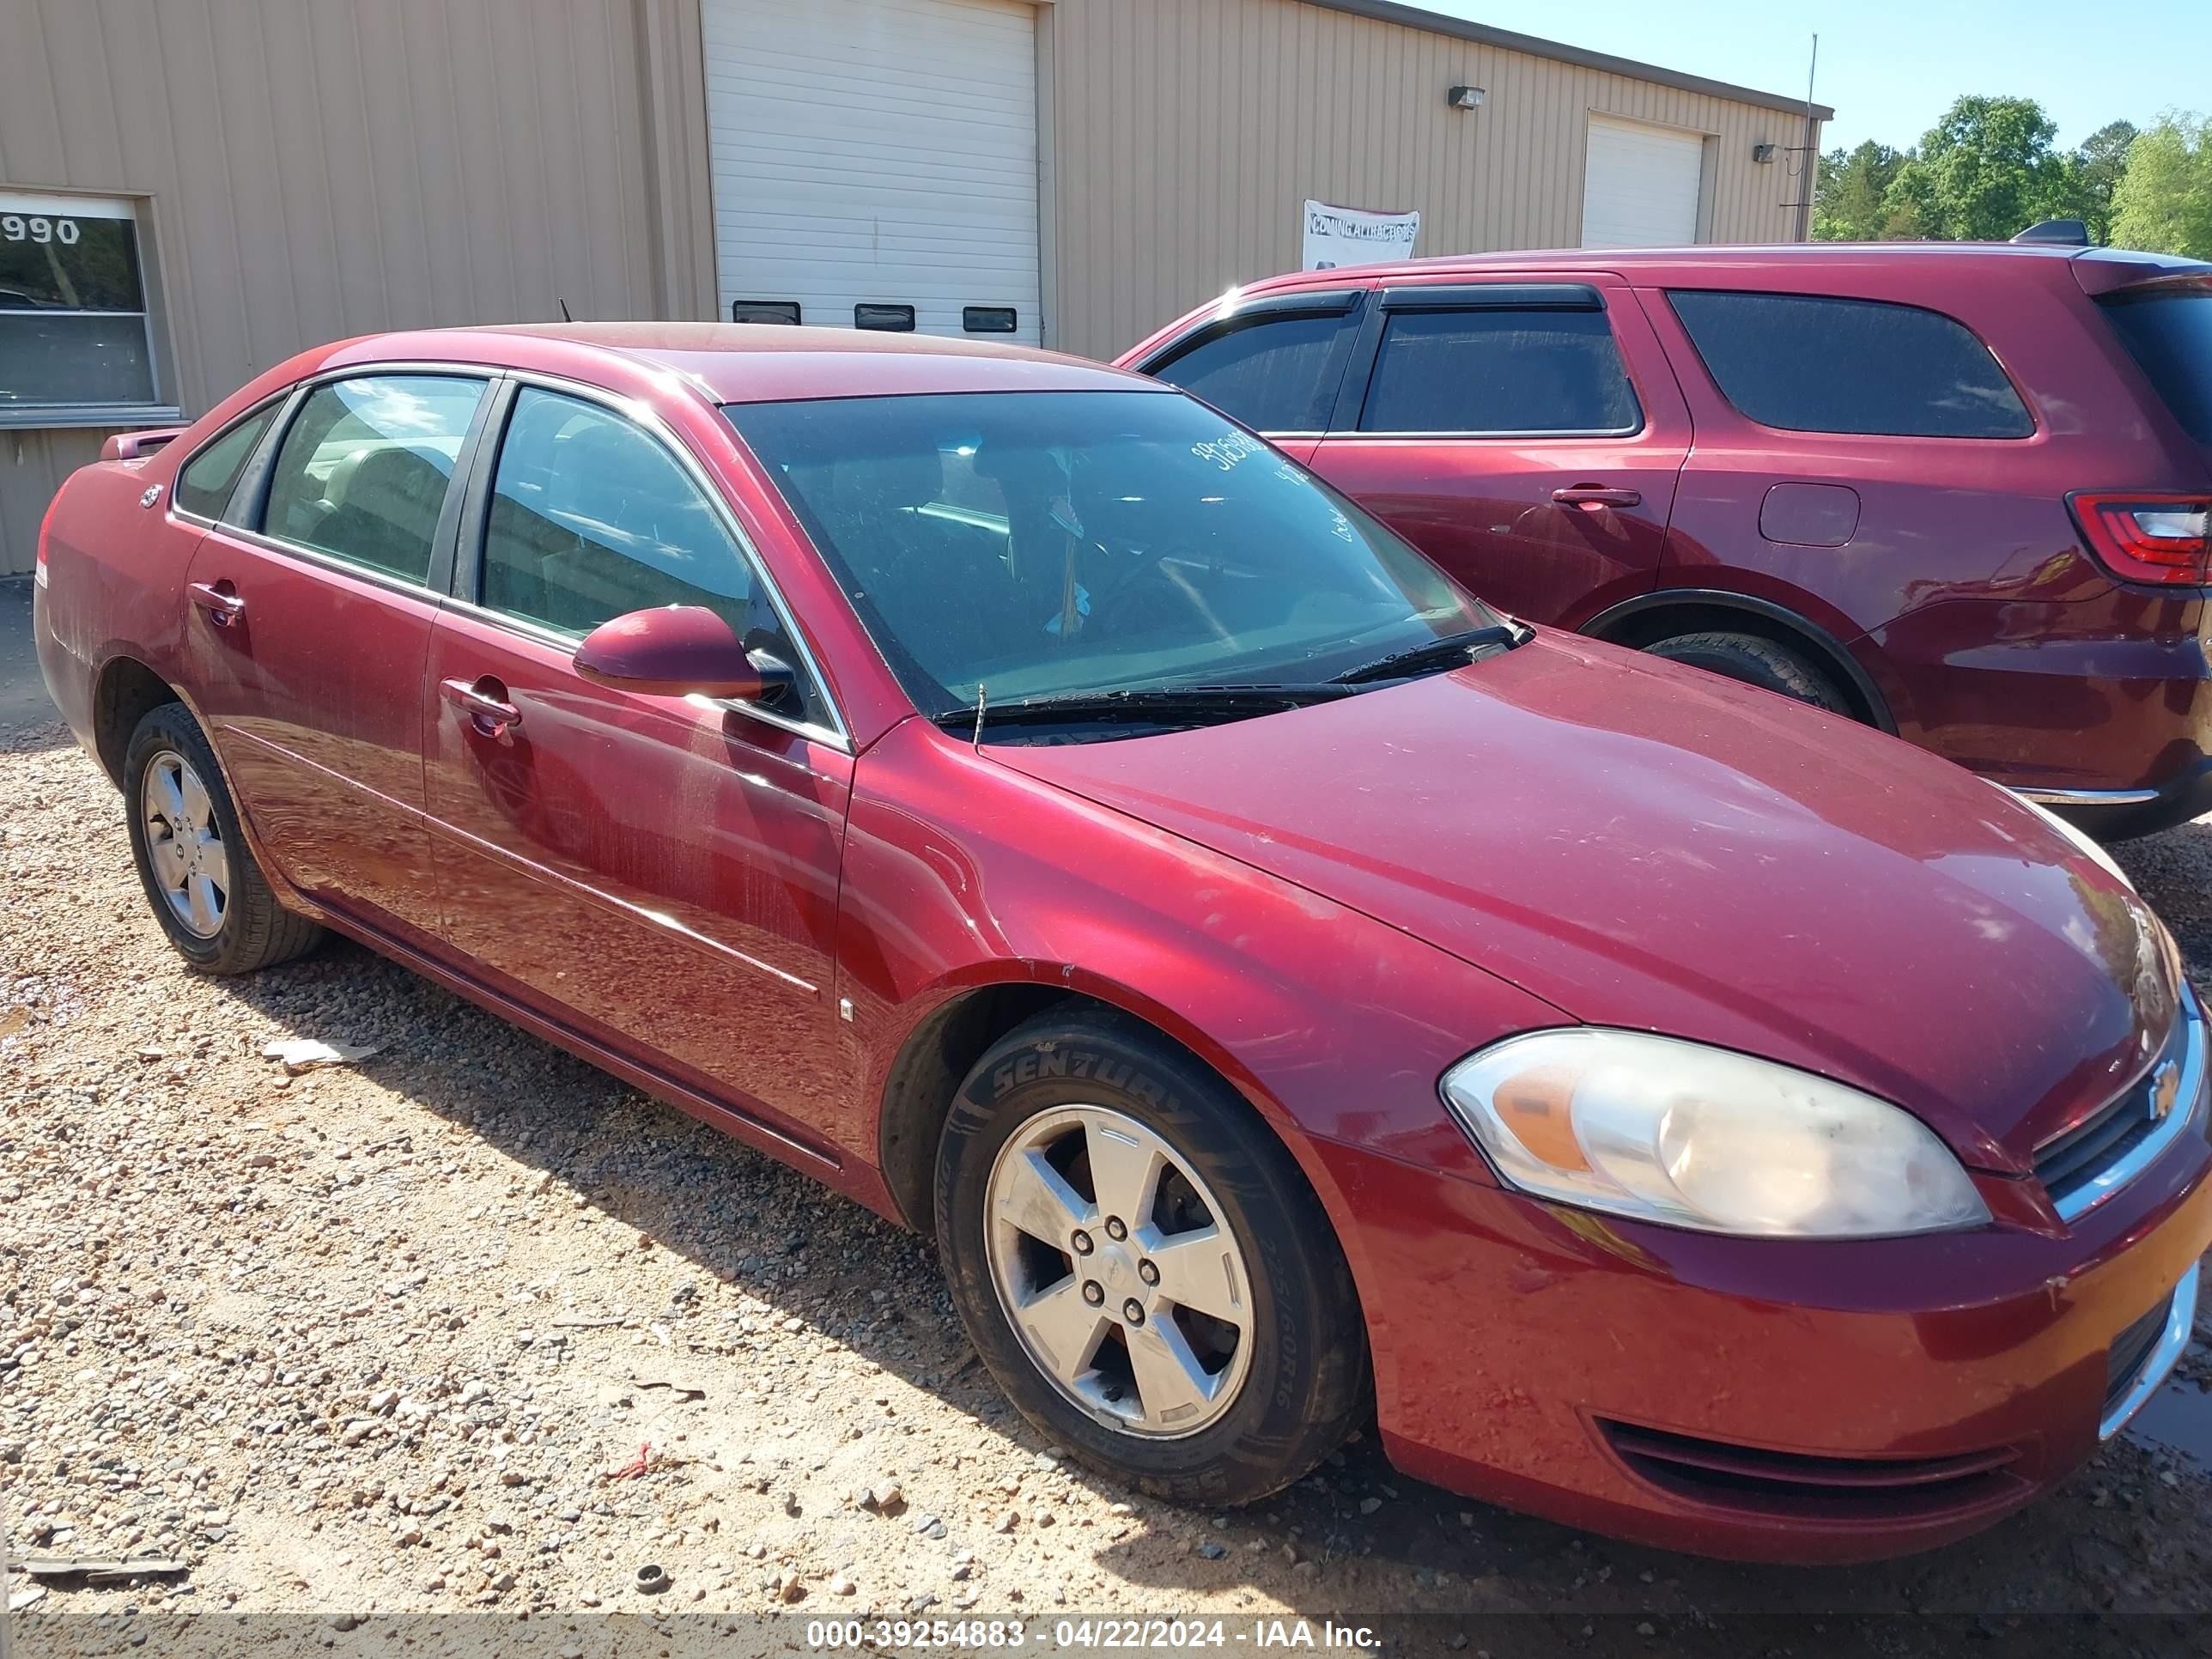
x: 1351, y: 236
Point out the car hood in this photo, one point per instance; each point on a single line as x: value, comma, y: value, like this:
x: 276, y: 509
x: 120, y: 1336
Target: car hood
x: 1646, y: 846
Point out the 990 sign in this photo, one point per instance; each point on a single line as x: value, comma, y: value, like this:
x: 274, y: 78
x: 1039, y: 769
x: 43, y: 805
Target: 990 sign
x: 37, y: 227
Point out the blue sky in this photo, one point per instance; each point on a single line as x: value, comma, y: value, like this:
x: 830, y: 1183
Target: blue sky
x: 1890, y: 68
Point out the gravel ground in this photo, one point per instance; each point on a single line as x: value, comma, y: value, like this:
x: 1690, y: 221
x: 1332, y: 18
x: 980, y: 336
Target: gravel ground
x: 391, y: 1339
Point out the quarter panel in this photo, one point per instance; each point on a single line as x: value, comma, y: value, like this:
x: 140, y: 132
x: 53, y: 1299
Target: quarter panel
x: 1939, y: 518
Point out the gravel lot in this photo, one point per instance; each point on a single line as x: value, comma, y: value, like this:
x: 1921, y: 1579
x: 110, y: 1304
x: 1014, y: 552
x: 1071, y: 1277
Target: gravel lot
x: 369, y: 1341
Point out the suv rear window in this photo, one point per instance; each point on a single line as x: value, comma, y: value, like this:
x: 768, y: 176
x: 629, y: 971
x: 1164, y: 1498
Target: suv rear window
x: 2170, y: 335
x: 1810, y: 363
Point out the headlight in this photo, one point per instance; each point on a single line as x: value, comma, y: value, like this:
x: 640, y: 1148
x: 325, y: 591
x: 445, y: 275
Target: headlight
x: 1676, y: 1132
x: 2082, y: 841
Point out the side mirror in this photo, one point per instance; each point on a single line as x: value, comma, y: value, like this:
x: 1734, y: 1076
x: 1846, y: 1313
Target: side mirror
x: 678, y: 651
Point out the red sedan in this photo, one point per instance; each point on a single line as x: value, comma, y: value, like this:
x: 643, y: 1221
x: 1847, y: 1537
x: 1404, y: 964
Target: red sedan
x: 1288, y: 989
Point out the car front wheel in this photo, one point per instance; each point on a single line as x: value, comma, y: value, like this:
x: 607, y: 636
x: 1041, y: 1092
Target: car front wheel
x: 207, y: 892
x: 1142, y: 1266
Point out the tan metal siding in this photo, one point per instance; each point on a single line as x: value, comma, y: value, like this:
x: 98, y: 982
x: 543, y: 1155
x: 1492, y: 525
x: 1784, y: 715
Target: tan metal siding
x: 319, y: 168
x: 32, y: 467
x: 1187, y: 133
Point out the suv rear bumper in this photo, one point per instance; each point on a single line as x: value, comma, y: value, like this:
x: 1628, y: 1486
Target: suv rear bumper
x: 2117, y: 814
x: 2101, y: 708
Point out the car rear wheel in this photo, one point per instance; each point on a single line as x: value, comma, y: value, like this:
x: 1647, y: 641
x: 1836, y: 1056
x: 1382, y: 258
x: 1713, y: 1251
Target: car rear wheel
x: 1142, y: 1266
x: 199, y: 876
x: 1757, y: 661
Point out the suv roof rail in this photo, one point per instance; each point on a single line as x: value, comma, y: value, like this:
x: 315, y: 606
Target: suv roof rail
x: 2057, y: 232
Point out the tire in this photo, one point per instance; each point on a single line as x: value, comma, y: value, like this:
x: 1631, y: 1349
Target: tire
x: 1757, y: 661
x: 223, y: 918
x: 1285, y: 1388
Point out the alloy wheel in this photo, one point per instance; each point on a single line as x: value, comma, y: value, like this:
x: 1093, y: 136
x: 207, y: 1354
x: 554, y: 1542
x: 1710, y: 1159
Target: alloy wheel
x: 184, y: 844
x: 1121, y: 1279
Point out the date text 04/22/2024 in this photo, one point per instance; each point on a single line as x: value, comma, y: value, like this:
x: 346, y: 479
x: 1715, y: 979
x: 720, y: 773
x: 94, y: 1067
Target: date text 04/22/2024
x: 1087, y: 1635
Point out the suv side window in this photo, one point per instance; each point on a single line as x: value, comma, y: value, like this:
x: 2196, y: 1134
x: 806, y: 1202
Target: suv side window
x: 1811, y: 364
x: 363, y: 472
x: 1275, y: 373
x: 1499, y: 370
x: 591, y: 517
x: 204, y: 484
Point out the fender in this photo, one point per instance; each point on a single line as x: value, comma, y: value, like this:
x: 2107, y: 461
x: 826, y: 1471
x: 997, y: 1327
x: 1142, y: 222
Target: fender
x: 1832, y: 652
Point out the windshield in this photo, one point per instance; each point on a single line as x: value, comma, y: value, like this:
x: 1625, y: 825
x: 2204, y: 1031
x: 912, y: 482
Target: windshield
x: 1045, y: 544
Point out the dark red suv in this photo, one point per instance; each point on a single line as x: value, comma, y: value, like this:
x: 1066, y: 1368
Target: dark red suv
x: 1962, y: 493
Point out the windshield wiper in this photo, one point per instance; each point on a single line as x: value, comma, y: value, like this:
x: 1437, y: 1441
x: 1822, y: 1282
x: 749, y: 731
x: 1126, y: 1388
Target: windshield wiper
x: 1144, y: 704
x: 1450, y: 652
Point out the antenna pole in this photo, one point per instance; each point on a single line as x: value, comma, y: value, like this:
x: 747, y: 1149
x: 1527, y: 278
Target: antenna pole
x: 1812, y: 168
x: 978, y: 738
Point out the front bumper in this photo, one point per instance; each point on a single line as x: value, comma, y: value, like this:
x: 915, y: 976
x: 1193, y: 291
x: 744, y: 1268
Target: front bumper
x: 2173, y: 1333
x: 1781, y: 1400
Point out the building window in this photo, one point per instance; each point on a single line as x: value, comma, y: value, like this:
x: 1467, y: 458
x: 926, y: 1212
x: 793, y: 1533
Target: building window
x: 76, y: 344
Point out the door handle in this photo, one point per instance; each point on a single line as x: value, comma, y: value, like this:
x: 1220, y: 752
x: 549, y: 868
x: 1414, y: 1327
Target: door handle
x: 491, y: 715
x: 223, y: 606
x: 1594, y: 496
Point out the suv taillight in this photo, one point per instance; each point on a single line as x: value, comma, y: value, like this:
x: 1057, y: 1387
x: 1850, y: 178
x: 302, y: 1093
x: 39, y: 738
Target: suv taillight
x: 2147, y: 535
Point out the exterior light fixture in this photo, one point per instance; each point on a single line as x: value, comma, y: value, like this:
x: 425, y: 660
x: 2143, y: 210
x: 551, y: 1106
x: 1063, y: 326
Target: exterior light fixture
x: 1762, y: 152
x: 1465, y: 97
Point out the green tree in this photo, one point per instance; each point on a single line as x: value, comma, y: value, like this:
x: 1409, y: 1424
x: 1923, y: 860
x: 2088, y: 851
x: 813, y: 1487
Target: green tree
x: 1987, y: 170
x: 2093, y: 173
x: 1847, y: 204
x: 2163, y: 202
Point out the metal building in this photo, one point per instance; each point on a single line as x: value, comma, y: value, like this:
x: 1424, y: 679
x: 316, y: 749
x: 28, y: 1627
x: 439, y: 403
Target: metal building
x: 191, y: 189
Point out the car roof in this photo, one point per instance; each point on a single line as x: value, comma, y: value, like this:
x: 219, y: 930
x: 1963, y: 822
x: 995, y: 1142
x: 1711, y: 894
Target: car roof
x: 749, y: 362
x: 1953, y: 259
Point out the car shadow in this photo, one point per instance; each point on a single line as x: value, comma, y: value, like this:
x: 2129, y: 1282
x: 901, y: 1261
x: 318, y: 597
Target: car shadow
x: 1353, y: 1535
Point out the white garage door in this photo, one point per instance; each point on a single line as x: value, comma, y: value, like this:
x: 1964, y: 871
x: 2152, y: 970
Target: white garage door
x: 1640, y: 186
x: 877, y: 152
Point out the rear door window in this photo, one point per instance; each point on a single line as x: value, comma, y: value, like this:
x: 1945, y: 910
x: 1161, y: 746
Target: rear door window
x: 363, y: 472
x: 1499, y: 370
x: 204, y: 485
x: 2170, y: 335
x: 1274, y: 373
x: 1811, y: 364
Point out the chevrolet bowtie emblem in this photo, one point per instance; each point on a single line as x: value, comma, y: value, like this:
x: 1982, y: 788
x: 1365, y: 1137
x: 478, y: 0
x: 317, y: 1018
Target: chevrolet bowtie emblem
x: 2165, y: 1089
